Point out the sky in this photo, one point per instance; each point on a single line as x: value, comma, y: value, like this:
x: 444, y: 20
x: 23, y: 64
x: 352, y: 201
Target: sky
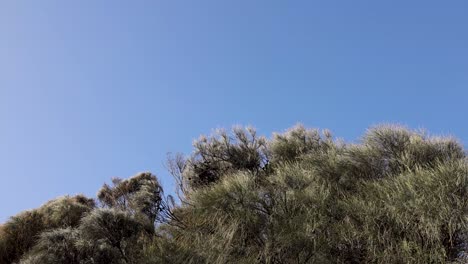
x: 95, y: 89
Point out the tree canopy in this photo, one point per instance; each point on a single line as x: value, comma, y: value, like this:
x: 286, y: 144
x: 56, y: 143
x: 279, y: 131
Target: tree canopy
x: 302, y: 196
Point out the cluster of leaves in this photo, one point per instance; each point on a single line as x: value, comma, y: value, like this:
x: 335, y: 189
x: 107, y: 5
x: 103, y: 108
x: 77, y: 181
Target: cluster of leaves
x: 398, y: 196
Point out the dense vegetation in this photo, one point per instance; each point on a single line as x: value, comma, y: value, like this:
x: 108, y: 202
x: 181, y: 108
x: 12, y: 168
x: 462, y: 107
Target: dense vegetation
x: 397, y: 196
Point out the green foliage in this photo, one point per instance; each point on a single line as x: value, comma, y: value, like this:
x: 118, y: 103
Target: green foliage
x: 297, y: 142
x: 416, y: 217
x: 397, y: 196
x: 167, y: 249
x: 241, y: 221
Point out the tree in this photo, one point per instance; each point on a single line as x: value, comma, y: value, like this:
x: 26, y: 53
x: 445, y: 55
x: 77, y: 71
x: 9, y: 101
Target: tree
x: 222, y: 153
x: 141, y: 195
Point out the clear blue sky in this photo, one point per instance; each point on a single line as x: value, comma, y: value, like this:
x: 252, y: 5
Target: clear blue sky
x: 92, y: 89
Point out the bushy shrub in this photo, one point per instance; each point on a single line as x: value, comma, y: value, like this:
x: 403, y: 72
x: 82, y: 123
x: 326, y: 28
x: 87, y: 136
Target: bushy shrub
x: 21, y: 232
x: 56, y: 246
x: 297, y: 142
x: 104, y: 236
x: 223, y: 153
x: 396, y: 196
x: 112, y: 236
x: 140, y: 195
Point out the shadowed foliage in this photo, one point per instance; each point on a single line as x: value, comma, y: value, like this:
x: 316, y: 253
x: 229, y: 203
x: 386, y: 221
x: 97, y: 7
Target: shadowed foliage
x: 112, y: 236
x: 21, y: 232
x: 104, y: 236
x: 396, y: 196
x: 222, y: 153
x: 140, y: 195
x: 56, y: 246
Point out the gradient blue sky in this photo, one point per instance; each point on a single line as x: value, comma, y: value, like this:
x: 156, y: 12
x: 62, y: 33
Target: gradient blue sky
x: 95, y: 89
